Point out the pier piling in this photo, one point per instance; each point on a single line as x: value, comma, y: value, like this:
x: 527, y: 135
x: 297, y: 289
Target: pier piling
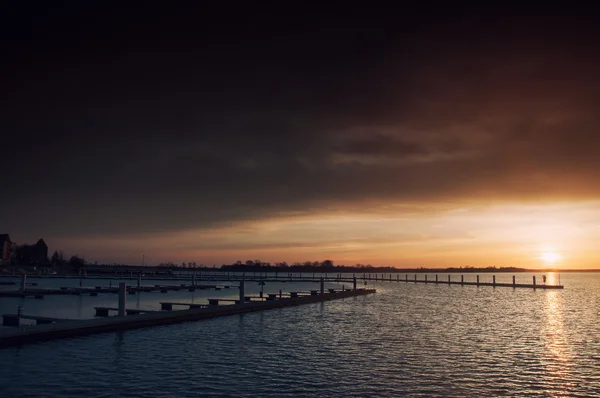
x: 122, y: 293
x: 242, y: 300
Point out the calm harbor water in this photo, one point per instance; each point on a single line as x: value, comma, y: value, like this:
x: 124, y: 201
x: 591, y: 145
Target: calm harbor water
x: 408, y: 339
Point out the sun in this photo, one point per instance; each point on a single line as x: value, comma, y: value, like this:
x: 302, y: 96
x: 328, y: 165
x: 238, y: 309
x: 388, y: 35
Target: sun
x: 550, y: 257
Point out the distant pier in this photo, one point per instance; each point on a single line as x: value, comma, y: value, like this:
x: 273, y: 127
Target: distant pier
x: 477, y: 282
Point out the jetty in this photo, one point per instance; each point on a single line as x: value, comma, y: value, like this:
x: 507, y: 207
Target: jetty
x: 140, y: 318
x: 14, y: 319
x: 478, y: 282
x: 94, y: 291
x: 215, y: 277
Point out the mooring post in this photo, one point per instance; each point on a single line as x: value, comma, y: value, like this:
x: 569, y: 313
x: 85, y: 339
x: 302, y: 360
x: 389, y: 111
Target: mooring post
x: 354, y: 283
x: 24, y: 282
x: 477, y: 280
x: 425, y: 278
x: 242, y: 290
x: 514, y: 281
x: 415, y: 278
x: 122, y: 295
x: 406, y: 278
x: 534, y: 280
x: 322, y: 286
x: 448, y: 278
x: 436, y: 278
x: 397, y: 277
x: 462, y: 279
x: 494, y: 280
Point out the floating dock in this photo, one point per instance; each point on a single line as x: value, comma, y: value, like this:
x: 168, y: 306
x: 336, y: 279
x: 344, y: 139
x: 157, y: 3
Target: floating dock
x: 94, y: 291
x: 50, y: 331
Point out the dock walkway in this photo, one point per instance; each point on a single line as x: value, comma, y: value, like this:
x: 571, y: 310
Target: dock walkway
x: 94, y: 291
x: 29, y: 334
x: 15, y: 319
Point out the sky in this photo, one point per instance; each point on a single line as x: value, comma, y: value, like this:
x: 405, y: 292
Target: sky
x: 425, y: 135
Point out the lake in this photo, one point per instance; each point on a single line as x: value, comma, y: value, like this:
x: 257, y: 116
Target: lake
x: 406, y: 340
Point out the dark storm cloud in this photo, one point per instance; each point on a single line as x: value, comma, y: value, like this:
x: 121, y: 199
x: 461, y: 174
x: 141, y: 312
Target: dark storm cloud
x: 176, y: 119
x: 381, y: 145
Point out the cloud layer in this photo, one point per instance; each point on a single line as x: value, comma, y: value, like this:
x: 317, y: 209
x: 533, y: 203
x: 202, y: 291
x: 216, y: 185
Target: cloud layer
x: 162, y: 126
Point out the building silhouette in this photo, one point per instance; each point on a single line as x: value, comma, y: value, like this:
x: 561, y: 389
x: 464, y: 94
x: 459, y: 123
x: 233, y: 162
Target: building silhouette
x: 32, y: 254
x: 6, y: 246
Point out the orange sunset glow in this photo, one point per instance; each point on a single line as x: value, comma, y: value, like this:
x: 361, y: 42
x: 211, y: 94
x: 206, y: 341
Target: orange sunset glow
x: 558, y: 235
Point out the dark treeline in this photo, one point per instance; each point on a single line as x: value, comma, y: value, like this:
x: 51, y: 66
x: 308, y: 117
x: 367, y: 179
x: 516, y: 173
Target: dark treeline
x: 329, y: 266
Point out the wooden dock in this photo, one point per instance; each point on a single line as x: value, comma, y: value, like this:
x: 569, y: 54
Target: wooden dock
x: 94, y: 291
x: 168, y: 306
x: 105, y: 311
x: 393, y: 277
x: 30, y: 334
x: 15, y: 319
x: 477, y: 282
x: 193, y: 278
x: 342, y: 278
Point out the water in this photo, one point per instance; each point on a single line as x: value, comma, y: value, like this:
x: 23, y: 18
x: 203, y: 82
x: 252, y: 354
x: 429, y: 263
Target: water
x: 408, y: 339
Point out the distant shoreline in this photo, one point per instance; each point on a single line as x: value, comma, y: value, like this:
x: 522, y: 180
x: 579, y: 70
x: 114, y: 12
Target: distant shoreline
x: 157, y: 271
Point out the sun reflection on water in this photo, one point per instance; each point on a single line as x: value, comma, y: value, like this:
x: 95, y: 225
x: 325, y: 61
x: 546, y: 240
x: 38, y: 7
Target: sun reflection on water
x: 558, y: 356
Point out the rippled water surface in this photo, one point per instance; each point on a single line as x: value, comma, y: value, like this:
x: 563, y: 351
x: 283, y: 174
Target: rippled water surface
x: 408, y: 339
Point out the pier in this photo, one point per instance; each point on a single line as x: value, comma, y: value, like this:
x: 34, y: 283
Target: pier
x: 62, y: 329
x: 194, y: 277
x: 477, y: 282
x: 168, y: 306
x: 94, y: 291
x: 15, y: 319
